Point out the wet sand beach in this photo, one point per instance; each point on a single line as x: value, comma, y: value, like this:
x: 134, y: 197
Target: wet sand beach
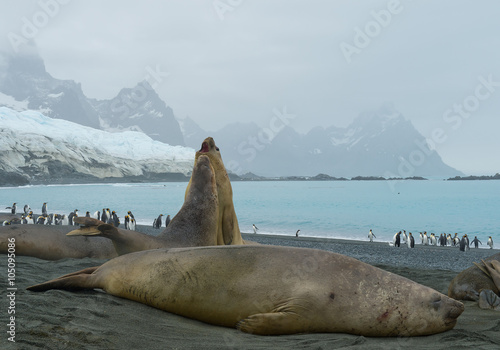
x: 94, y: 320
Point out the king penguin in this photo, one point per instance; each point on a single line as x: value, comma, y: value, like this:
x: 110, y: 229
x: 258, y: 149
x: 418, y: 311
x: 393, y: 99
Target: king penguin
x: 13, y: 208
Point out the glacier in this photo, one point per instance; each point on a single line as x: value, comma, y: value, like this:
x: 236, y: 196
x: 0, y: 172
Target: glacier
x: 41, y: 148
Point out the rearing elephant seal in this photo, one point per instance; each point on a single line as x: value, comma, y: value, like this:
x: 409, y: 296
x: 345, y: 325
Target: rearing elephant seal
x: 228, y: 231
x: 194, y: 225
x: 271, y: 290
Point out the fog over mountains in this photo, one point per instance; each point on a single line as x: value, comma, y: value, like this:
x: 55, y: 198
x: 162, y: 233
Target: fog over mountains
x: 377, y: 143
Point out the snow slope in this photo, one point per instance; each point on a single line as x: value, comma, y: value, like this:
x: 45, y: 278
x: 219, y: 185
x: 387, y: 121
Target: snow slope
x: 36, y: 144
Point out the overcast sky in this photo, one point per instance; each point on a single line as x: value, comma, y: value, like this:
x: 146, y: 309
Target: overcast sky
x: 438, y: 62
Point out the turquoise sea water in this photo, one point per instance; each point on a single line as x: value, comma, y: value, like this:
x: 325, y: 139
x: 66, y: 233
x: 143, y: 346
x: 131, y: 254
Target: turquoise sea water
x: 336, y: 209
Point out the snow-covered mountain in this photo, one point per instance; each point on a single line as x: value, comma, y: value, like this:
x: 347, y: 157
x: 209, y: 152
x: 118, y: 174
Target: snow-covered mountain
x: 140, y: 109
x: 377, y: 143
x: 25, y: 84
x: 36, y: 149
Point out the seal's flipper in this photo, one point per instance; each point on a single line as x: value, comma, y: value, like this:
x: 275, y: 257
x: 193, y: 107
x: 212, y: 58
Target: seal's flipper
x: 94, y: 228
x: 274, y: 323
x: 85, y: 231
x: 493, y: 268
x: 79, y: 280
x: 87, y: 271
x: 89, y: 227
x: 489, y: 300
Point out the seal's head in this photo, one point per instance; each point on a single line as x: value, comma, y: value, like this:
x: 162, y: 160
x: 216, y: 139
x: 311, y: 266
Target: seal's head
x: 210, y: 149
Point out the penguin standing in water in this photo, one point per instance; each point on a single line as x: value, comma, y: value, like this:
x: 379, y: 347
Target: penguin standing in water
x: 167, y: 220
x: 26, y: 209
x: 13, y: 208
x: 255, y: 228
x: 297, y: 233
x: 44, y: 208
x: 371, y: 235
x: 490, y: 242
x: 476, y: 242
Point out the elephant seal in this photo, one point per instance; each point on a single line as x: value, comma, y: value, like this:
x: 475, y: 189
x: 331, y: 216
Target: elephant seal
x: 194, y: 225
x: 228, y: 230
x: 271, y: 290
x: 50, y: 243
x: 469, y: 283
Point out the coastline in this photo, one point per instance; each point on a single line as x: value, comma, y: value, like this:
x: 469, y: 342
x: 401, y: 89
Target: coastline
x: 94, y: 320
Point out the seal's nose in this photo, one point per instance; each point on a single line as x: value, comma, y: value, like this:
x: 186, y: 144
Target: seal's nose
x: 451, y: 310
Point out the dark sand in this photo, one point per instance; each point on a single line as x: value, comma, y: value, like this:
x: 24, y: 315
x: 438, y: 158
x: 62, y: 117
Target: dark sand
x: 94, y: 320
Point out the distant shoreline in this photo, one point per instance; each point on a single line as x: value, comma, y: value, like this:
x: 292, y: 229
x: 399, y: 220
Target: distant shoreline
x: 480, y: 177
x: 178, y: 177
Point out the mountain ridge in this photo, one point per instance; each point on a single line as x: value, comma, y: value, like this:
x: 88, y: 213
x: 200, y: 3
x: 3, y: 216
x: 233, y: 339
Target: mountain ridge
x: 377, y: 143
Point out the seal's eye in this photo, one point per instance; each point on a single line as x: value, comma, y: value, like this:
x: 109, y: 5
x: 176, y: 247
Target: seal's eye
x: 217, y: 149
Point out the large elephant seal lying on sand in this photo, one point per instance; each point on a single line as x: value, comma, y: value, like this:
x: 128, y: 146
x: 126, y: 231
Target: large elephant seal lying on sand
x: 479, y: 282
x: 194, y: 225
x: 51, y: 243
x: 228, y: 230
x: 271, y: 290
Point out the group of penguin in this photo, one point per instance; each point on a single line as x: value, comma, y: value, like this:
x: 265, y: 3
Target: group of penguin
x: 157, y: 222
x: 444, y: 240
x: 107, y: 216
